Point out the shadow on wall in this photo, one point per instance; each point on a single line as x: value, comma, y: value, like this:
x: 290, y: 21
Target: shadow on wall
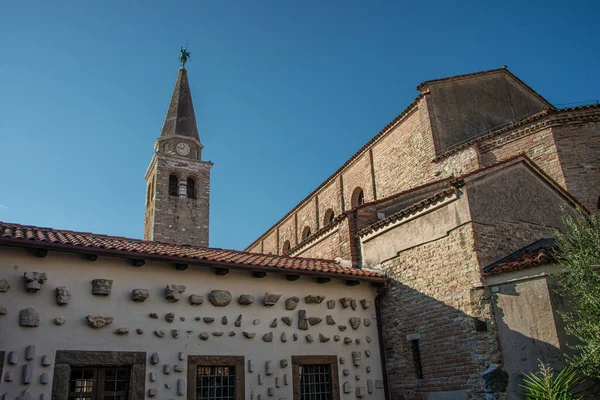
x: 435, y: 351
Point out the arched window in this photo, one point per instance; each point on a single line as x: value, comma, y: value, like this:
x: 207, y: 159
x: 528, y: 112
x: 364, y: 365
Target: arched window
x: 191, y: 188
x: 286, y: 247
x: 173, y: 181
x: 306, y: 232
x: 358, y: 197
x: 329, y: 217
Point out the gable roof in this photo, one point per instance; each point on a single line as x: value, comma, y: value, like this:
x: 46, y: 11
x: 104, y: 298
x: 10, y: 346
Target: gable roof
x: 537, y: 253
x: 88, y: 243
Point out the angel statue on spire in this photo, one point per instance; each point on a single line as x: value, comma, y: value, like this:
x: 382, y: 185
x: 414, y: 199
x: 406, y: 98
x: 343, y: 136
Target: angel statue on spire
x: 184, y: 56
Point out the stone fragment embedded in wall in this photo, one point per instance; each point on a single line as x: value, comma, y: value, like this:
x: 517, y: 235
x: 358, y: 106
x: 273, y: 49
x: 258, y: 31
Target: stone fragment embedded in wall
x: 196, y: 299
x: 59, y: 321
x: 283, y: 337
x: 256, y: 321
x: 368, y: 339
x: 153, y: 315
x: 152, y: 376
x: 342, y: 360
x: 182, y: 318
x: 152, y: 392
x: 355, y: 322
x: 268, y: 337
x: 269, y: 367
x: 27, y: 374
x: 249, y: 335
x: 291, y: 303
x: 208, y: 320
x: 26, y: 395
x: 277, y: 385
x: 8, y: 376
x: 283, y: 363
x: 330, y: 320
x: 168, y: 385
x: 159, y: 333
x: 34, y: 281
x: 271, y: 391
x: 224, y: 320
x: 367, y: 322
x: 356, y: 358
x: 203, y: 336
x: 13, y: 358
x: 309, y: 338
x: 3, y: 310
x: 271, y: 299
x: 232, y: 333
x: 63, y: 295
x: 46, y: 360
x: 99, y: 321
x: 346, y: 372
x: 357, y: 377
x: 360, y: 392
x: 330, y: 304
x: 139, y: 331
x: 29, y: 317
x: 345, y: 301
x: 217, y: 333
x: 347, y: 387
x: 357, y: 340
x: 166, y: 369
x: 169, y: 317
x: 496, y: 379
x: 245, y: 299
x: 295, y: 336
x: 370, y: 386
x: 323, y: 338
x: 238, y: 321
x: 365, y: 304
x: 154, y: 358
x: 285, y: 379
x: 122, y: 331
x: 342, y: 327
x: 347, y: 340
x: 273, y: 324
x: 260, y: 379
x: 173, y: 292
x: 180, y: 387
x: 368, y: 353
x: 353, y: 304
x: 101, y: 287
x: 4, y: 286
x: 368, y: 369
x: 139, y: 295
x: 219, y: 298
x: 287, y: 320
x: 314, y: 320
x: 30, y: 352
x: 314, y: 299
x: 44, y: 378
x: 302, y: 320
x: 175, y: 333
x: 336, y: 338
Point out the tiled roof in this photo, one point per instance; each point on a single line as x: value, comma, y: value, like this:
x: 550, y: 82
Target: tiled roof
x: 82, y: 242
x: 538, y: 253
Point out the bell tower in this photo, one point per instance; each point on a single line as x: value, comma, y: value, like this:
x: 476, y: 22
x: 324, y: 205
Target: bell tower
x: 178, y: 181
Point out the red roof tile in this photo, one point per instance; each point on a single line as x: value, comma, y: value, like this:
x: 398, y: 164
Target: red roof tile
x: 538, y: 253
x: 82, y: 242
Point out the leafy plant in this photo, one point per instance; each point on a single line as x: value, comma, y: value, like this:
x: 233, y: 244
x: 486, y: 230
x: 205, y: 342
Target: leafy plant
x: 546, y: 385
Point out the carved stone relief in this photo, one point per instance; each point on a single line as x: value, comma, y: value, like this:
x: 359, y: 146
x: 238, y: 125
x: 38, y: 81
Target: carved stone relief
x: 29, y: 317
x: 356, y: 358
x: 154, y: 358
x: 169, y: 317
x: 330, y: 304
x: 63, y: 295
x: 101, y: 287
x: 173, y: 292
x: 99, y: 321
x: 355, y: 322
x: 27, y: 374
x: 4, y: 285
x: 302, y: 320
x: 34, y: 281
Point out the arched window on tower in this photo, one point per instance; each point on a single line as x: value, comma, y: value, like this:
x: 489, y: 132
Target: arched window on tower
x: 173, y: 183
x: 358, y: 197
x: 191, y: 188
x: 305, y: 232
x: 329, y: 217
x: 286, y: 247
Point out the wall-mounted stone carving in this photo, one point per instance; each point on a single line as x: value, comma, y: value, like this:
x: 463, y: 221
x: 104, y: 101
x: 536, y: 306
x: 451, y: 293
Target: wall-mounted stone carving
x: 271, y: 391
x: 180, y: 386
x: 286, y: 381
x: 152, y: 392
x: 365, y: 303
x: 330, y: 304
x: 346, y: 372
x: 330, y: 320
x: 159, y: 333
x: 30, y: 352
x: 347, y: 387
x: 166, y: 369
x: 217, y: 333
x: 153, y: 315
x: 59, y: 321
x: 314, y: 320
x: 323, y: 338
x: 34, y: 281
x: 170, y: 317
x: 269, y: 367
x: 256, y: 321
x: 249, y: 335
x: 232, y: 333
x: 283, y: 337
x: 238, y: 321
x: 46, y: 360
x: 283, y: 363
x: 268, y: 337
x: 368, y: 339
x: 367, y: 322
x: 63, y: 295
x: 139, y: 331
x: 360, y: 392
x: 342, y: 328
x: 250, y: 366
x: 353, y: 304
x: 309, y: 338
x: 44, y: 378
x: 302, y: 320
x: 182, y: 318
x: 336, y: 338
x: 175, y: 333
x: 347, y: 340
x: 13, y: 358
x: 168, y: 385
x: 25, y: 396
x: 245, y: 299
x: 139, y: 295
x: 260, y: 379
x: 208, y: 320
x: 271, y: 299
x: 368, y: 353
x: 357, y: 340
x: 287, y: 320
x: 314, y: 299
x: 29, y: 317
x: 368, y: 369
x: 4, y: 286
x: 3, y: 310
x: 154, y: 358
x: 345, y: 301
x: 99, y: 321
x: 203, y: 336
x: 122, y: 331
x: 273, y: 324
x: 152, y: 376
x: 224, y: 320
x: 101, y: 287
x: 219, y: 298
x: 295, y: 336
x: 370, y: 386
x: 173, y: 292
x: 8, y: 377
x: 342, y: 360
x: 27, y: 374
x: 356, y: 358
x: 196, y: 299
x: 354, y: 322
x: 291, y: 303
x: 277, y: 384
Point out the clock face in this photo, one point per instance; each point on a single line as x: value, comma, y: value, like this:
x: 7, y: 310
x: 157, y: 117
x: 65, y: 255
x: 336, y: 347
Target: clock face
x: 183, y: 149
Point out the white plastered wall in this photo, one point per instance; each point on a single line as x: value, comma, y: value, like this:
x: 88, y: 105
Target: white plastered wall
x: 76, y: 273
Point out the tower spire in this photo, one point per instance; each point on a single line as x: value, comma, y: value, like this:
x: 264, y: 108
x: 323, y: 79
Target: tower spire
x: 180, y: 119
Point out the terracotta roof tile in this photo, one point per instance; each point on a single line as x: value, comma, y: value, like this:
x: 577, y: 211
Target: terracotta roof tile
x: 54, y: 239
x: 538, y: 253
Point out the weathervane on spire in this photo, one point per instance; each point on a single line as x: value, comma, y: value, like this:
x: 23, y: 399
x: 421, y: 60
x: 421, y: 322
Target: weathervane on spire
x: 184, y: 55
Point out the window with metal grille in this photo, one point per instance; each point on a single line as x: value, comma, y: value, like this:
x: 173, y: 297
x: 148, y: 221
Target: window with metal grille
x: 315, y: 382
x: 215, y: 382
x: 91, y: 383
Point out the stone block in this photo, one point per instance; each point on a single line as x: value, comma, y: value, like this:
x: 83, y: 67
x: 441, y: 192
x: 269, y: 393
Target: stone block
x: 271, y: 299
x: 219, y: 298
x: 101, y: 287
x: 29, y: 317
x: 139, y: 295
x: 63, y: 295
x: 291, y: 303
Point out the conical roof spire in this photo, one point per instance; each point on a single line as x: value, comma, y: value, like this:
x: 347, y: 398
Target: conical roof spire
x: 180, y: 118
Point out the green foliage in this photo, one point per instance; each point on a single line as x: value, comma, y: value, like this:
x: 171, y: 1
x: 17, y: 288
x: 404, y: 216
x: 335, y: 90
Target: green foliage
x: 579, y: 255
x: 545, y: 385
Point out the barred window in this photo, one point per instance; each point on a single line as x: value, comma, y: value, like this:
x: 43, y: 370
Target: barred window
x: 215, y: 378
x: 90, y: 383
x: 315, y: 377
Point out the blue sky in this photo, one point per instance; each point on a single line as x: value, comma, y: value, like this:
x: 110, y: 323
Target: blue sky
x: 284, y: 91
